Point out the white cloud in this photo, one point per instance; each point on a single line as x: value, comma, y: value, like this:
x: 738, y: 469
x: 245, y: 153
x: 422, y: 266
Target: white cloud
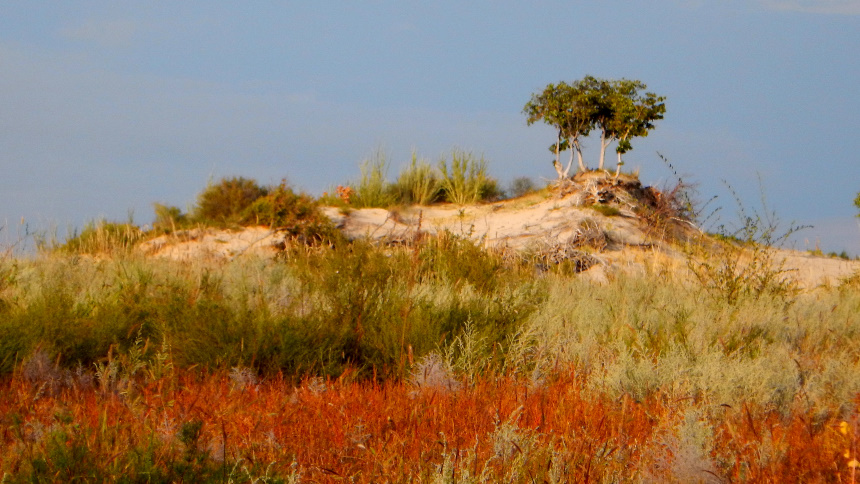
x: 831, y: 7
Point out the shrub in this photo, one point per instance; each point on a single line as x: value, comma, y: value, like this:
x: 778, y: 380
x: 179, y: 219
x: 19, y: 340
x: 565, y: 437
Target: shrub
x: 467, y: 180
x: 103, y: 237
x: 417, y: 183
x: 168, y: 218
x: 373, y: 189
x: 225, y: 202
x: 521, y: 186
x: 298, y: 214
x: 743, y: 262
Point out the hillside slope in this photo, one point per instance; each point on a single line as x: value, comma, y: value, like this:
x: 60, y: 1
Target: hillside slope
x: 554, y: 226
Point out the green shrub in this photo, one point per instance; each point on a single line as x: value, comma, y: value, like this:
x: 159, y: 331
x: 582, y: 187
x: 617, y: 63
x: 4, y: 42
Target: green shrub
x: 363, y: 307
x: 298, y: 214
x: 373, y: 189
x: 168, y: 218
x: 224, y: 203
x: 744, y: 262
x: 103, y: 237
x: 467, y: 180
x: 521, y: 186
x: 417, y: 183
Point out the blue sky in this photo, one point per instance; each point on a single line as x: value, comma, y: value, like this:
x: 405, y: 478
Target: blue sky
x: 107, y: 107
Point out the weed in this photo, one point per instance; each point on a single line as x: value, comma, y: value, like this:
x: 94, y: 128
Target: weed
x: 433, y: 372
x: 417, y: 183
x: 744, y: 262
x: 168, y: 218
x: 373, y: 190
x: 103, y: 237
x: 467, y: 180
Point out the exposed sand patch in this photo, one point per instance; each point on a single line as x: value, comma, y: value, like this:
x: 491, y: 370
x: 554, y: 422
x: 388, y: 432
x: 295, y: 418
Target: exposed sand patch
x: 214, y: 244
x: 515, y: 224
x: 530, y: 222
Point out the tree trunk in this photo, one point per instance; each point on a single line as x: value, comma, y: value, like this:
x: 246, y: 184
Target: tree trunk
x: 556, y: 164
x: 569, y: 164
x: 579, y: 155
x: 603, y: 145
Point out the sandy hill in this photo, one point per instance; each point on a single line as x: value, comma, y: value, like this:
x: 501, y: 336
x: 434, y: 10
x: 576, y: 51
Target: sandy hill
x: 561, y: 224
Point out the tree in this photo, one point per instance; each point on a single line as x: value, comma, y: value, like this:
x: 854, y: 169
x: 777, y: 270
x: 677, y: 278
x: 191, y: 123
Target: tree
x: 567, y: 108
x: 631, y: 114
x: 617, y: 108
x: 857, y: 203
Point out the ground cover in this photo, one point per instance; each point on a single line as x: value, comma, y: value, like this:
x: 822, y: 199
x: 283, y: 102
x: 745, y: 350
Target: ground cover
x: 234, y: 428
x: 434, y: 362
x: 586, y: 334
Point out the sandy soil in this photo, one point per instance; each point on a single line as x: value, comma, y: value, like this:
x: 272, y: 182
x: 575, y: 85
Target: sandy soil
x: 526, y: 223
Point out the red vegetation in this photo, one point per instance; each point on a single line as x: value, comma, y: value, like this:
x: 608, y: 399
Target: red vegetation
x: 327, y: 431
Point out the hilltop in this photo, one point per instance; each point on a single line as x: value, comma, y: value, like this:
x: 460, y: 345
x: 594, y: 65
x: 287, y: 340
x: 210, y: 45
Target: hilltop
x: 602, y: 222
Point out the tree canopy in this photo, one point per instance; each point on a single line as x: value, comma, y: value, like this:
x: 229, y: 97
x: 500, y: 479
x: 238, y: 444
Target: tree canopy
x: 620, y: 109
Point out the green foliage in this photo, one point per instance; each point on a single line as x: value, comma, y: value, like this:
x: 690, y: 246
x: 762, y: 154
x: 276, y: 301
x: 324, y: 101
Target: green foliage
x: 67, y: 454
x: 466, y: 181
x: 625, y: 113
x: 417, y: 183
x: 615, y: 107
x: 168, y: 218
x: 320, y: 310
x: 224, y: 203
x: 521, y: 186
x: 568, y: 109
x: 652, y: 334
x: 240, y: 201
x: 371, y: 305
x: 103, y: 237
x: 743, y: 262
x: 606, y: 210
x: 373, y: 189
x: 857, y: 202
x: 367, y: 309
x: 298, y: 214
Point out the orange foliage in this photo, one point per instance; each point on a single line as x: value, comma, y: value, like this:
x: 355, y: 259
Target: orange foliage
x: 373, y: 432
x: 345, y: 193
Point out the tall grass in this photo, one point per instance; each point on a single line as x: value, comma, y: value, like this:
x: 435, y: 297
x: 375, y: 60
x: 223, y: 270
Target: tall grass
x: 102, y: 237
x: 318, y: 311
x: 438, y: 359
x: 373, y: 189
x: 466, y: 180
x: 321, y: 310
x: 418, y: 183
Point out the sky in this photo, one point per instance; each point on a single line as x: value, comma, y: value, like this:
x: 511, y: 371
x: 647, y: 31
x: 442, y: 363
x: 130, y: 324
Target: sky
x: 108, y: 107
